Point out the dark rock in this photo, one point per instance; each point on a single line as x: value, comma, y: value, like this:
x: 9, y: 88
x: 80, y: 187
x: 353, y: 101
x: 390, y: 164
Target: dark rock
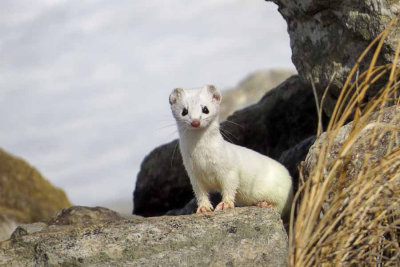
x: 162, y: 183
x: 191, y: 206
x: 291, y: 158
x: 248, y: 236
x: 284, y: 116
x: 327, y: 37
x: 250, y: 90
x: 281, y: 119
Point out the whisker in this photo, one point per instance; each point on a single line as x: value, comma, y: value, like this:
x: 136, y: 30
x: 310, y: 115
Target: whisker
x: 234, y: 123
x: 228, y: 132
x: 226, y: 137
x: 166, y: 126
x: 173, y: 153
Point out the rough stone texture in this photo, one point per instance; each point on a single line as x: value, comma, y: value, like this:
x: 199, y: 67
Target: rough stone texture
x: 376, y: 150
x: 329, y: 36
x: 85, y: 215
x: 281, y: 119
x: 251, y: 89
x: 240, y: 237
x: 7, y: 226
x: 25, y: 229
x: 25, y: 196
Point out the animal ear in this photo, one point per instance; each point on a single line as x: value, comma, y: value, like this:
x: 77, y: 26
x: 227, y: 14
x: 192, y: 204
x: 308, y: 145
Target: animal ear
x: 175, y: 95
x: 216, y: 95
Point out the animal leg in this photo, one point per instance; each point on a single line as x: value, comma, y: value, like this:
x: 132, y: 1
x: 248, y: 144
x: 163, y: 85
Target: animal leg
x: 203, y: 202
x: 228, y: 190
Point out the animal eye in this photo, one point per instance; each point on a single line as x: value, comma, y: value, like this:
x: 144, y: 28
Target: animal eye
x: 205, y: 110
x: 184, y: 112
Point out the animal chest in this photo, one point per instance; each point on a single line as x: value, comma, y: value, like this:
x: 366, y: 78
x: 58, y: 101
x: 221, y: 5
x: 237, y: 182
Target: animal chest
x: 206, y: 167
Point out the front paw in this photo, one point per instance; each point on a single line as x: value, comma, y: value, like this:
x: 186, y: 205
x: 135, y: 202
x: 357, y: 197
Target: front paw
x: 264, y: 204
x: 203, y: 209
x: 225, y: 205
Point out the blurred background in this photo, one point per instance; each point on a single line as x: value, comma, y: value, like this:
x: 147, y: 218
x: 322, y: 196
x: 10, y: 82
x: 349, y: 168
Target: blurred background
x: 84, y: 85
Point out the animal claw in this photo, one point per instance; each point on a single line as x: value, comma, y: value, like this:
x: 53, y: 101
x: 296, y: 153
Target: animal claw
x: 264, y: 204
x: 203, y: 209
x: 225, y: 205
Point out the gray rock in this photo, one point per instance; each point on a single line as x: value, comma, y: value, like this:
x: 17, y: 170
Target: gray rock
x: 85, y: 215
x: 284, y: 117
x: 7, y: 227
x: 329, y: 36
x: 240, y: 237
x: 29, y: 228
x: 361, y: 149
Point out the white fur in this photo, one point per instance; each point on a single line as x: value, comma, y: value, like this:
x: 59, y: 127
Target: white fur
x: 243, y: 176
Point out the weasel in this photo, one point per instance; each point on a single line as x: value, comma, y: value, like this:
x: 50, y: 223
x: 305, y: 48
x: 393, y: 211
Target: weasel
x: 243, y: 176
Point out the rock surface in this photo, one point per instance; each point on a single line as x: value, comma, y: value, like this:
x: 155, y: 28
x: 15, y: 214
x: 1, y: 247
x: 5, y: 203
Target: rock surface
x: 327, y: 37
x: 28, y: 228
x: 284, y: 117
x: 362, y: 147
x: 85, y: 215
x: 7, y: 226
x: 240, y: 237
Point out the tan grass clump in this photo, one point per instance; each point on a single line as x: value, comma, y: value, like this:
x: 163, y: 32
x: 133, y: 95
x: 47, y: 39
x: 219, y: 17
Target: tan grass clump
x: 354, y: 219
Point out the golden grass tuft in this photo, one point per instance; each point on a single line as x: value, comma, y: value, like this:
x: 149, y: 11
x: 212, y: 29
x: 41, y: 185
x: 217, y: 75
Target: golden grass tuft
x: 343, y: 217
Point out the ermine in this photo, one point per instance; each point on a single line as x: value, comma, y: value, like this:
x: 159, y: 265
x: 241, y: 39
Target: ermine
x: 243, y: 176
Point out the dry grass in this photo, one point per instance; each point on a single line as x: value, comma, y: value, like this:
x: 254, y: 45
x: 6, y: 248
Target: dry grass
x: 354, y: 219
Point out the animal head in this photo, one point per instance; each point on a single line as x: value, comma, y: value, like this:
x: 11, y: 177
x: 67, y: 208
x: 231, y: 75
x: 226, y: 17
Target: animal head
x: 195, y: 108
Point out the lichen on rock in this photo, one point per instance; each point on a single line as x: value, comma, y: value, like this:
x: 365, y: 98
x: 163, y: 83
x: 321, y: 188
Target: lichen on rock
x: 239, y: 237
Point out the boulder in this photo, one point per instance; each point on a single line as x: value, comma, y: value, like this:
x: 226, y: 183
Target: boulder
x: 327, y: 37
x: 7, y: 226
x: 284, y: 117
x: 239, y: 237
x: 84, y: 215
x: 162, y: 183
x: 251, y: 89
x: 361, y: 150
x: 25, y: 196
x: 27, y: 228
x: 294, y: 155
